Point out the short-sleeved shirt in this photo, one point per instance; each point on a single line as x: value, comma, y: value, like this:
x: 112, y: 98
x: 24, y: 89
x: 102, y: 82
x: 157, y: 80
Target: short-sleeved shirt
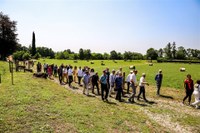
x: 189, y: 84
x: 86, y: 78
x: 80, y: 73
x: 133, y: 78
x: 128, y: 79
x: 142, y: 79
x: 103, y: 79
x: 70, y: 72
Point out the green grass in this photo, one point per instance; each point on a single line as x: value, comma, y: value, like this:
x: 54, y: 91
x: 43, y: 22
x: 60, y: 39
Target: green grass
x: 39, y: 105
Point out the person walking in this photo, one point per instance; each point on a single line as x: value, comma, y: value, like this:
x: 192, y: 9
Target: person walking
x: 128, y: 81
x: 196, y: 94
x: 112, y: 82
x: 55, y: 70
x: 95, y: 82
x: 189, y: 88
x: 158, y: 79
x: 119, y: 86
x: 86, y: 81
x: 104, y: 86
x: 60, y: 74
x: 75, y: 74
x: 142, y: 84
x: 133, y: 86
x: 70, y: 75
x: 80, y: 75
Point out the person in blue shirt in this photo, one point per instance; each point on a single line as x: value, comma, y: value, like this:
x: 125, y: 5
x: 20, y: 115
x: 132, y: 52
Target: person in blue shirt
x: 104, y: 86
x: 119, y: 85
x: 158, y: 79
x: 86, y: 81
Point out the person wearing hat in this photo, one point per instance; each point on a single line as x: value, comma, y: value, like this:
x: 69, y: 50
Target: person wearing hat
x: 112, y: 82
x: 158, y: 79
x: 142, y: 84
x: 133, y: 80
x: 128, y: 81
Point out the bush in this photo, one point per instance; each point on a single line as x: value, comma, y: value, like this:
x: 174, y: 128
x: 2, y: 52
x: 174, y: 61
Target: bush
x: 21, y: 55
x: 37, y: 56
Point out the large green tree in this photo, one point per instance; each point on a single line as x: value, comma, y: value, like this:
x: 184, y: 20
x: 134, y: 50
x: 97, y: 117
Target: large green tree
x: 168, y: 51
x: 113, y: 55
x: 8, y: 36
x: 174, y: 50
x: 81, y: 54
x: 181, y: 53
x: 152, y: 54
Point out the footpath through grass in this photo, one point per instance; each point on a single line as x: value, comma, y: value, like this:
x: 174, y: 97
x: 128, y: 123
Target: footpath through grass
x: 39, y: 105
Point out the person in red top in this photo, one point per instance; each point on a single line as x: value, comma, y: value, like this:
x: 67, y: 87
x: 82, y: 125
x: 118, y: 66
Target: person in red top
x: 189, y: 88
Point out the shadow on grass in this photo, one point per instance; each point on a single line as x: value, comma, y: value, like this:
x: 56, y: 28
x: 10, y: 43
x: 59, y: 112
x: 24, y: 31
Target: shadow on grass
x: 109, y: 102
x: 151, y: 102
x: 164, y: 96
x: 136, y: 103
x: 91, y: 96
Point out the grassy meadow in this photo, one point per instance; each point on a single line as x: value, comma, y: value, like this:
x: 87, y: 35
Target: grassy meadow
x: 40, y: 105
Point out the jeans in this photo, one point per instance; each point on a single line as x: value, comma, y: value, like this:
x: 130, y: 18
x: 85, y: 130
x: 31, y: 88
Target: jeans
x: 133, y: 93
x: 104, y: 88
x: 142, y: 91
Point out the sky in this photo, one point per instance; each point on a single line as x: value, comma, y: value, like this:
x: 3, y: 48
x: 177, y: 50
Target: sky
x: 106, y: 25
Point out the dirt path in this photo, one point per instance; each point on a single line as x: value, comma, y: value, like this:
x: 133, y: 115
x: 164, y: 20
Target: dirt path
x: 163, y: 112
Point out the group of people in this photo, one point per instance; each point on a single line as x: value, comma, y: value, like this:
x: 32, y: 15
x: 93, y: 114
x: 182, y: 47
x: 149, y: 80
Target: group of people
x: 114, y: 82
x: 191, y: 88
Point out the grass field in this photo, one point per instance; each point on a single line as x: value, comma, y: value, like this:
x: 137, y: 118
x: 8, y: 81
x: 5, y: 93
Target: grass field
x: 39, y: 105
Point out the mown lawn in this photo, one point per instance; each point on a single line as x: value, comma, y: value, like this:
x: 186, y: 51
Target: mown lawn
x: 40, y: 105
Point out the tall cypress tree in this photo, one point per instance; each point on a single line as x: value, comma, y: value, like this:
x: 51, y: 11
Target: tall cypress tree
x: 33, y: 45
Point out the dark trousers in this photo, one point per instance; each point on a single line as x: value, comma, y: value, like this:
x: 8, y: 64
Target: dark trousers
x: 97, y: 85
x: 104, y: 88
x: 70, y: 79
x: 119, y: 93
x: 142, y: 91
x: 188, y: 94
x: 60, y: 78
x: 79, y: 80
x: 158, y: 88
x: 128, y: 86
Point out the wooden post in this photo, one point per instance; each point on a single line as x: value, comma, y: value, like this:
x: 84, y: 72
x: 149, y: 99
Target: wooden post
x: 11, y: 70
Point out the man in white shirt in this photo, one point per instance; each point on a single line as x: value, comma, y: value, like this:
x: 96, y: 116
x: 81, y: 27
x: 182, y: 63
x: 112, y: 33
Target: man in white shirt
x: 128, y: 81
x: 142, y: 84
x: 80, y: 75
x: 133, y: 85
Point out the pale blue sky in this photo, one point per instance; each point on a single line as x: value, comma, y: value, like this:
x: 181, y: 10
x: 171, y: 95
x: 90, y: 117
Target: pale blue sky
x: 105, y: 25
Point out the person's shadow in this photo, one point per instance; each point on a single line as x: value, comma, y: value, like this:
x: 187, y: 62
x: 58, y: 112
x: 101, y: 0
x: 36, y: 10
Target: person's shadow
x: 164, y: 96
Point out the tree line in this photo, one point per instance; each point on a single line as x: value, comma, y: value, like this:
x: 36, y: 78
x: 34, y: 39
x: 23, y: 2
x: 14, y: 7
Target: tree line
x: 9, y: 45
